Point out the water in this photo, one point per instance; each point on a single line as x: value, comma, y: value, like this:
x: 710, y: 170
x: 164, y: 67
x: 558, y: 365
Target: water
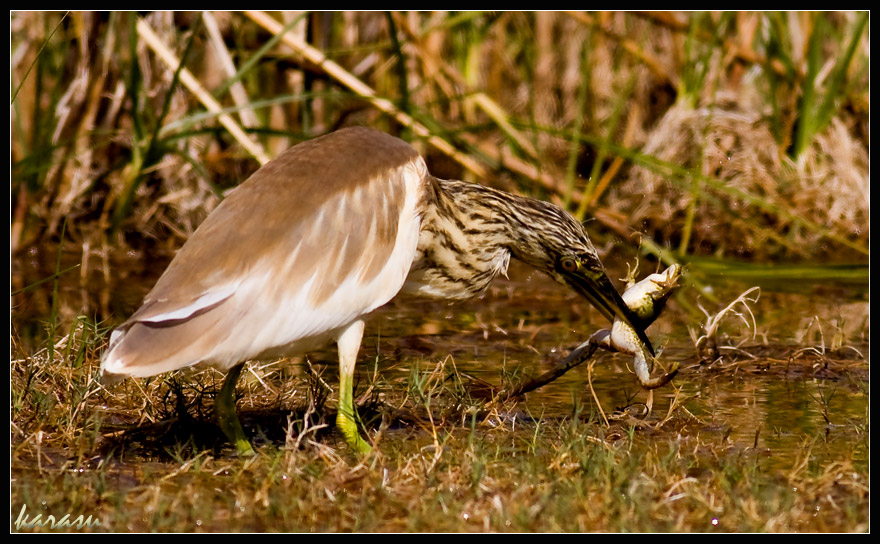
x: 799, y: 382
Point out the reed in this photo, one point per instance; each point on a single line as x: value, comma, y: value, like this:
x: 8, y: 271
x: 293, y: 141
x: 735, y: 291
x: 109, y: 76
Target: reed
x: 105, y: 135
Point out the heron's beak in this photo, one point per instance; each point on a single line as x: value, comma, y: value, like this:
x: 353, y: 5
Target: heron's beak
x: 597, y: 288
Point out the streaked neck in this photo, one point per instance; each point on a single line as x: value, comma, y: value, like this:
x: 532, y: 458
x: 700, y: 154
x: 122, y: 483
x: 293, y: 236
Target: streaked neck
x: 465, y: 240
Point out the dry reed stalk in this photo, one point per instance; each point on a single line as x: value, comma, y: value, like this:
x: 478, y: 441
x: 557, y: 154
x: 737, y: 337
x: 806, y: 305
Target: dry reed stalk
x: 341, y: 75
x: 71, y: 154
x: 633, y: 117
x: 652, y: 62
x: 543, y: 98
x: 740, y: 49
x: 191, y: 83
x: 237, y: 90
x: 435, y: 65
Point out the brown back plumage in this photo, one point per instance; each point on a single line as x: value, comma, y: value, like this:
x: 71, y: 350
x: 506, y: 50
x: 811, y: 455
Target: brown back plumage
x: 323, y: 209
x: 271, y: 211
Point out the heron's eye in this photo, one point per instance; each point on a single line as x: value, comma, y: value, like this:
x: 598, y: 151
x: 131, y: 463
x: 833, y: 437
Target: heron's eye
x: 569, y: 264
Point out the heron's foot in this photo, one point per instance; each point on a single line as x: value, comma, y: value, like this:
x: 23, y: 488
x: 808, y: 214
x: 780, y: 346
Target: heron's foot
x: 346, y: 423
x: 233, y: 430
x: 227, y: 418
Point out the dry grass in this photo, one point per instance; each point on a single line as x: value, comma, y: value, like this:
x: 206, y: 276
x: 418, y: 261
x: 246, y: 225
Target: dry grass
x: 733, y: 143
x: 146, y: 457
x: 110, y: 138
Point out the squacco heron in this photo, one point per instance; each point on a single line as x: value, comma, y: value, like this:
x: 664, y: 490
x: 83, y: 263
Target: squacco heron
x: 330, y: 230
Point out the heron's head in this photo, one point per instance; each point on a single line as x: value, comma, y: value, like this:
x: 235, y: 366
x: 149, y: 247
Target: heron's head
x: 553, y: 241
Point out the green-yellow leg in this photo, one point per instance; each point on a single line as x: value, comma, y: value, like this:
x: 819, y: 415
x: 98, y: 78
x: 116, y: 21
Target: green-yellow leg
x: 346, y: 418
x: 224, y: 407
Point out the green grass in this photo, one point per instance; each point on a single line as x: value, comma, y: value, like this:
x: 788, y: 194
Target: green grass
x: 146, y: 455
x: 573, y: 476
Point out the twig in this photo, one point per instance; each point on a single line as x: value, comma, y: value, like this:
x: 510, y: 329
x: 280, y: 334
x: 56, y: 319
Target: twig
x: 646, y: 299
x: 593, y: 391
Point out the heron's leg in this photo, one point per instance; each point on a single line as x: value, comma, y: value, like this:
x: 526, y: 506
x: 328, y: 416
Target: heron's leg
x: 224, y: 407
x: 349, y: 342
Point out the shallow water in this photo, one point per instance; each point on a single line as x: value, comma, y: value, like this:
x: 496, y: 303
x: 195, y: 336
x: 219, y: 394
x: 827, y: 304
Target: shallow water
x: 799, y: 383
x: 775, y: 395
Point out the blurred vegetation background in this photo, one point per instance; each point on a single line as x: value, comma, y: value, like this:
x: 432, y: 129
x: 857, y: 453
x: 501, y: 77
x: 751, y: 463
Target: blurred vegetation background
x: 732, y: 136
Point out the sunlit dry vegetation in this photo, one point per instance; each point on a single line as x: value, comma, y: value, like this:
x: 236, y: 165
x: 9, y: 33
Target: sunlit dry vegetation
x: 145, y: 455
x: 736, y: 143
x: 731, y: 134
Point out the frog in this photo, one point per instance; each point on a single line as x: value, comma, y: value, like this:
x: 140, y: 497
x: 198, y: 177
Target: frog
x: 646, y: 299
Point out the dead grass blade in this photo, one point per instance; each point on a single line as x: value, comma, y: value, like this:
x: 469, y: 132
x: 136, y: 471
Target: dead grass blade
x: 344, y: 77
x: 191, y: 83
